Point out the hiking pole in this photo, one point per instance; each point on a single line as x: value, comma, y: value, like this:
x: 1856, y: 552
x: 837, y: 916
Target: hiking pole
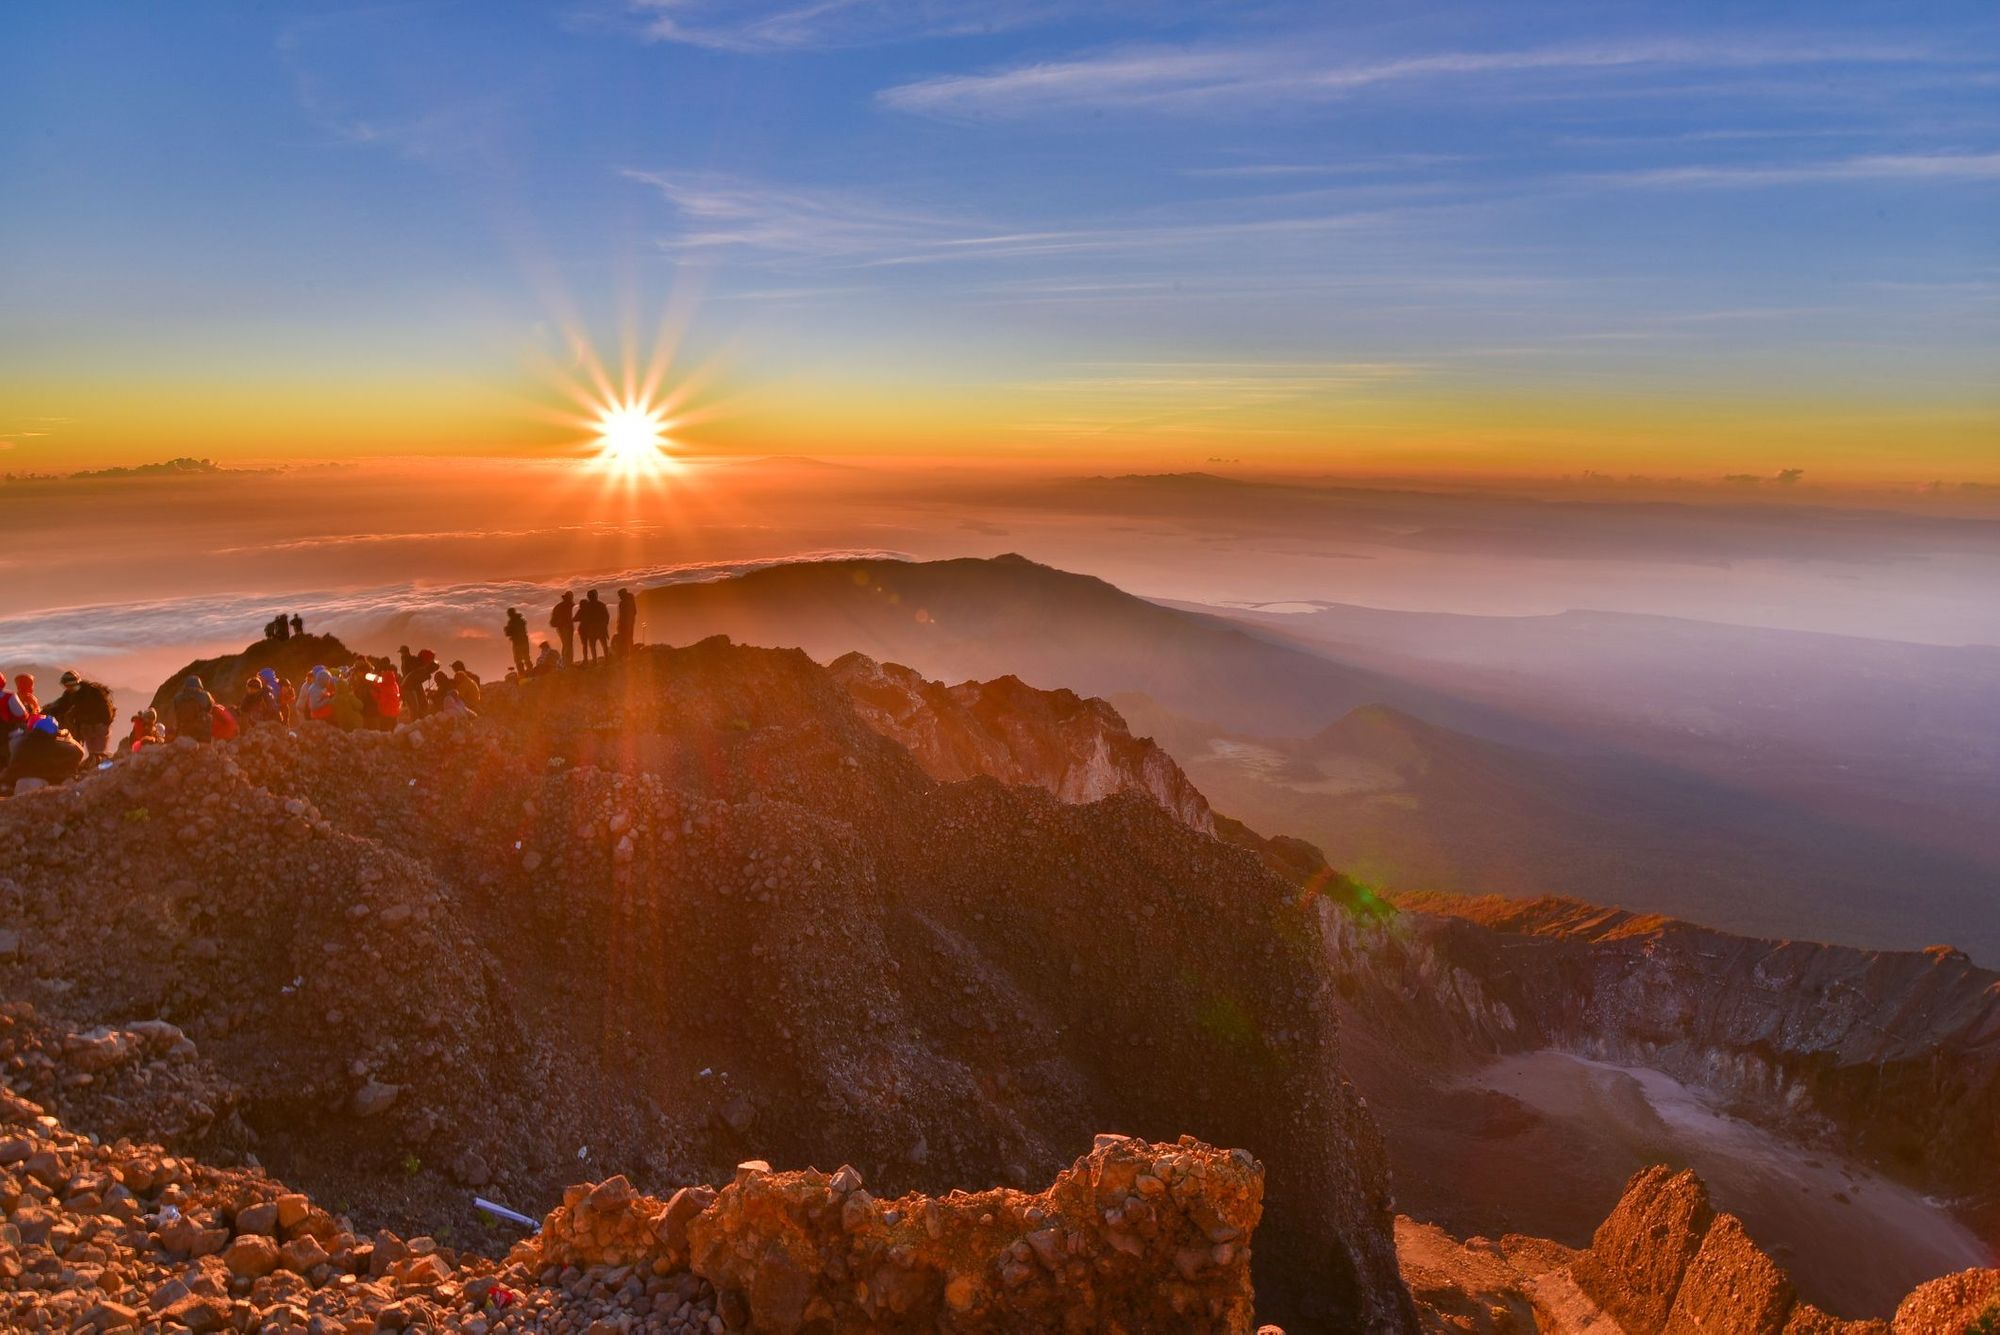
x: 512, y: 1216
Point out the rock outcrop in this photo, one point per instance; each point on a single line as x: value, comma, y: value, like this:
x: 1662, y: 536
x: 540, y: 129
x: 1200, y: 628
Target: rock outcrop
x: 118, y: 1235
x: 655, y: 918
x: 291, y: 658
x: 1133, y: 1236
x: 1664, y: 1262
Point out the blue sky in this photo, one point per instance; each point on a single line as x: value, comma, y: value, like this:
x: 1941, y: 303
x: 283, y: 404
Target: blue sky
x: 1105, y: 203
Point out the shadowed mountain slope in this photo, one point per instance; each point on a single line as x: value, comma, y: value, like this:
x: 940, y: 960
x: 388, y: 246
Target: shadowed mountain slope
x: 951, y: 620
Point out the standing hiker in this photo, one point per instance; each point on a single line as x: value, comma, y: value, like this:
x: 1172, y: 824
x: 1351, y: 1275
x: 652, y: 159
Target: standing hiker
x: 517, y: 639
x: 628, y: 621
x: 593, y: 619
x: 563, y: 619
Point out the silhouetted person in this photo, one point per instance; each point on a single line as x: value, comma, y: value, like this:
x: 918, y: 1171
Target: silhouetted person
x: 593, y: 620
x: 298, y: 624
x: 417, y: 684
x: 547, y: 661
x: 408, y: 661
x: 194, y: 711
x: 628, y: 620
x: 563, y: 620
x: 281, y: 629
x: 517, y: 640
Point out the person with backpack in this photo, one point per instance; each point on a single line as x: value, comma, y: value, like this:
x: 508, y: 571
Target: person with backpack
x: 464, y: 684
x: 385, y: 694
x: 348, y: 711
x: 317, y: 698
x: 419, y: 684
x: 517, y: 639
x: 593, y: 622
x: 258, y: 706
x: 85, y: 709
x: 194, y: 711
x: 47, y: 754
x: 563, y: 619
x: 14, y: 718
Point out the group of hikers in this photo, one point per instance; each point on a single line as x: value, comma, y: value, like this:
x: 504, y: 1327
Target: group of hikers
x: 370, y: 693
x: 47, y: 745
x: 51, y: 742
x: 588, y: 621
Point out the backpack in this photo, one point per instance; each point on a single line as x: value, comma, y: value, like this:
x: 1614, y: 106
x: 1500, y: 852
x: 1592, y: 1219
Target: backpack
x: 194, y: 716
x: 93, y: 708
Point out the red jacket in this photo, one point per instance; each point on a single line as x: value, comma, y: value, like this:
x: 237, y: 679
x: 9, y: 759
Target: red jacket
x: 388, y: 696
x: 225, y: 726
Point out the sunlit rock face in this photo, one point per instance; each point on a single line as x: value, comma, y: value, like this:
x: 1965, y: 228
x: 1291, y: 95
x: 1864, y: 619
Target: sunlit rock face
x: 1077, y: 748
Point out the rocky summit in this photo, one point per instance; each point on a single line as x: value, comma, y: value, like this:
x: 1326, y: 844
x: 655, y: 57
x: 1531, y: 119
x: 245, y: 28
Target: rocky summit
x: 775, y: 991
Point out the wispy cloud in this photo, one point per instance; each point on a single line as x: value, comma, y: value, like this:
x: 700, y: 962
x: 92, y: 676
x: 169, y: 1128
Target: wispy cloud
x: 1912, y: 168
x: 1383, y: 163
x: 724, y: 211
x: 852, y: 230
x: 1231, y: 77
x: 765, y: 26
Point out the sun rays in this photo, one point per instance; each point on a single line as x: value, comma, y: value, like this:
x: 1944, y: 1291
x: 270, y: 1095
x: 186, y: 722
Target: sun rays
x: 630, y: 418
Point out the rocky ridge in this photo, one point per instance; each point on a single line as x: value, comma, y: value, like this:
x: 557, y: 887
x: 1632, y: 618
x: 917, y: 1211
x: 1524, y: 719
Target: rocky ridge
x: 1079, y: 749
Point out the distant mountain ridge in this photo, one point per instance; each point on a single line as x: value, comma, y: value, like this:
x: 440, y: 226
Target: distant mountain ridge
x: 1421, y: 790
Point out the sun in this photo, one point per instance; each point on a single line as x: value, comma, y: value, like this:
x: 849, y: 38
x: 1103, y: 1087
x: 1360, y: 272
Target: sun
x: 629, y: 426
x: 631, y: 437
